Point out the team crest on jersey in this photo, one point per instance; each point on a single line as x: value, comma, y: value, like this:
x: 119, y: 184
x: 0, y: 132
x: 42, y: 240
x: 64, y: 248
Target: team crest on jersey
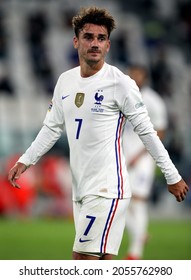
x: 79, y: 100
x: 98, y: 102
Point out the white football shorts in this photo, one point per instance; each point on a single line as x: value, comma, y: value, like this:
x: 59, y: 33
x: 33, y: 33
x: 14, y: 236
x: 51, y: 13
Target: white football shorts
x: 99, y: 224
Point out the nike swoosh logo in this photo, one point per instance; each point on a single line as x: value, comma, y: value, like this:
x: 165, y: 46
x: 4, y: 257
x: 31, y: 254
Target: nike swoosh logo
x: 84, y: 240
x: 63, y: 97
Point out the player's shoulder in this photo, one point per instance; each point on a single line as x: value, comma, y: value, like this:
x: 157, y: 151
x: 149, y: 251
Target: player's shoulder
x: 115, y: 71
x: 120, y: 77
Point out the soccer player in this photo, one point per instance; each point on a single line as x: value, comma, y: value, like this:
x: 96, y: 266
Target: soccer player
x: 140, y: 164
x: 93, y: 102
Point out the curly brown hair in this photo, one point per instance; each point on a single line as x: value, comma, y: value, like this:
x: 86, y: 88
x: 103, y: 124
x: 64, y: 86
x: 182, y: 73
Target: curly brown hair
x: 93, y: 15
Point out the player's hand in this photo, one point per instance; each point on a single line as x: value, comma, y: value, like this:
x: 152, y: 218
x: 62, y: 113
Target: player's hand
x: 15, y: 173
x: 179, y: 190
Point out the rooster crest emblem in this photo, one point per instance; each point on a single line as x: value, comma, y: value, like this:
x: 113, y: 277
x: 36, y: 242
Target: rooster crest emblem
x: 98, y: 97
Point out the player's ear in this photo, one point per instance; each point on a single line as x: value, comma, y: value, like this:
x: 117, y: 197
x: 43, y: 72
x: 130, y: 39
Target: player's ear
x: 108, y: 45
x: 75, y: 42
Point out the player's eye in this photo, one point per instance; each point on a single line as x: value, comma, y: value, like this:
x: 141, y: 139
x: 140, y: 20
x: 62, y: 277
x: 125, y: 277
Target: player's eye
x: 102, y: 38
x: 88, y: 37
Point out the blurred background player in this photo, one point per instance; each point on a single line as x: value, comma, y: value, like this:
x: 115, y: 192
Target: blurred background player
x: 140, y: 164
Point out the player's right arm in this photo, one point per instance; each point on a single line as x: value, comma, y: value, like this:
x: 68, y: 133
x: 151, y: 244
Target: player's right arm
x: 46, y: 138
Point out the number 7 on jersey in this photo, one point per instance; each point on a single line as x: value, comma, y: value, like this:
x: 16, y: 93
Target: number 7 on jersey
x: 79, y: 121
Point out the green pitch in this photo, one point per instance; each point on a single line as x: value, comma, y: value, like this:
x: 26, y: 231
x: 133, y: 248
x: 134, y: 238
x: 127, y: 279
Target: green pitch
x: 53, y: 239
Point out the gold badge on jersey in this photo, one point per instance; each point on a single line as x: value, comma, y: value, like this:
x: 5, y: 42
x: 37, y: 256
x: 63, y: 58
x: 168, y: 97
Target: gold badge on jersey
x: 79, y: 100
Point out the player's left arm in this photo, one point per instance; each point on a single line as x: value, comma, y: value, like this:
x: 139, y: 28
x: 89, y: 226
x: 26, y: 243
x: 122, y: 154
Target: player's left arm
x: 179, y: 190
x: 144, y: 128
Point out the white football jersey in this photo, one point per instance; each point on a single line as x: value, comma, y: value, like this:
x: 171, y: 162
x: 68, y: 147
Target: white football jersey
x: 94, y: 111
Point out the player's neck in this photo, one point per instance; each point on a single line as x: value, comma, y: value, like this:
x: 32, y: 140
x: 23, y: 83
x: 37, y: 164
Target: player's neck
x: 90, y: 69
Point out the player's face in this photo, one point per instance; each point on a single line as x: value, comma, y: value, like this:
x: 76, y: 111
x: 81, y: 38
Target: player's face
x: 92, y: 44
